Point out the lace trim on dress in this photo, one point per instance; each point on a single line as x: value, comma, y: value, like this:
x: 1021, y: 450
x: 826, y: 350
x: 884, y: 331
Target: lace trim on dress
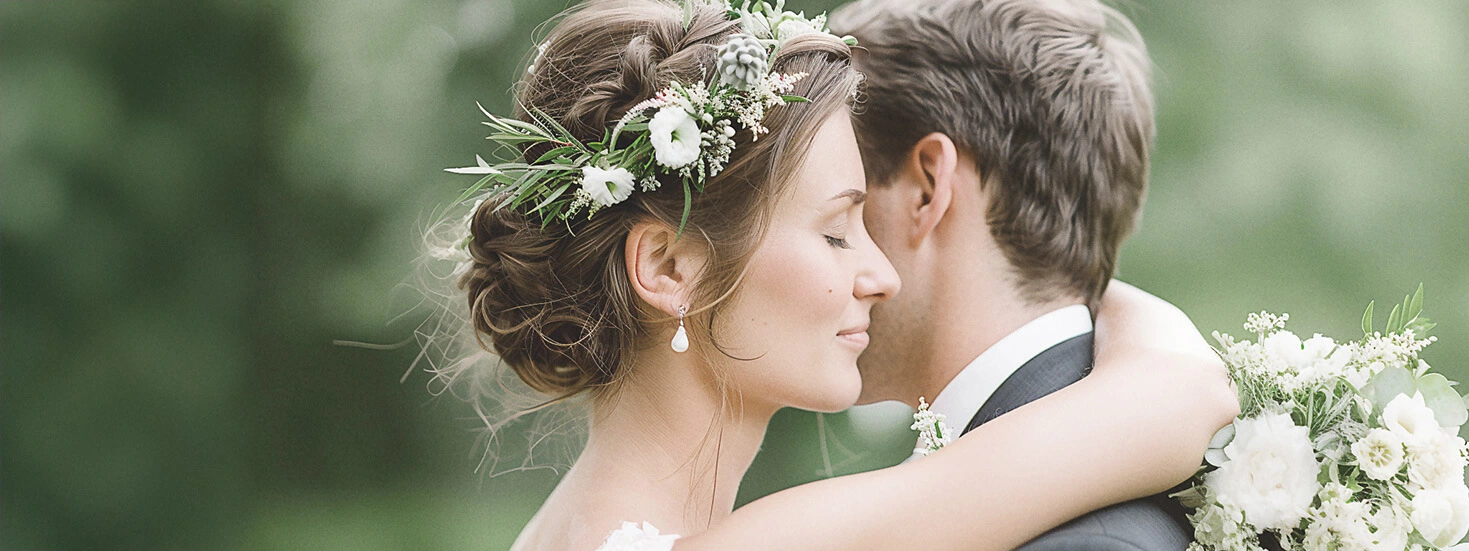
x: 632, y: 537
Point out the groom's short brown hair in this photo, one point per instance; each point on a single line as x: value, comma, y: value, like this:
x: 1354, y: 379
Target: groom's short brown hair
x: 1049, y: 97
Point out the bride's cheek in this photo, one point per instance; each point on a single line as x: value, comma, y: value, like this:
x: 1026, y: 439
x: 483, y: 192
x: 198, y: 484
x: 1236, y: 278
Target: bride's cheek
x: 804, y: 297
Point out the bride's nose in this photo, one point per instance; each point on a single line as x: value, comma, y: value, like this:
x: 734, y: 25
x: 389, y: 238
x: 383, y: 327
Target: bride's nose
x: 876, y: 279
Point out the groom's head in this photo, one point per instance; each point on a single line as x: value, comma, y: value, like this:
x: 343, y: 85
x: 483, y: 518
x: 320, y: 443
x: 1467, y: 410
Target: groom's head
x: 1006, y: 148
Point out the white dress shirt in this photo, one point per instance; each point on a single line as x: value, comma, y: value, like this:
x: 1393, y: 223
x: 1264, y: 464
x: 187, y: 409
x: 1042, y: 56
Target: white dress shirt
x: 973, y: 386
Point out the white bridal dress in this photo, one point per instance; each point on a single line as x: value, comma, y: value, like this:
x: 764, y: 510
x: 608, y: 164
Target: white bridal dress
x: 632, y: 537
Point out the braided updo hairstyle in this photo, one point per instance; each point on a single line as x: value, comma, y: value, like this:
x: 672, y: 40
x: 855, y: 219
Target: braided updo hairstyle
x: 557, y: 306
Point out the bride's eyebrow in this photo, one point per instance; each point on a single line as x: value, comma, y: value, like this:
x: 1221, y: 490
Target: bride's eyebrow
x: 856, y: 195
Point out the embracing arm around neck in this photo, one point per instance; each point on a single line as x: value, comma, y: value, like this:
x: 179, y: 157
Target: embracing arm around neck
x: 1138, y: 425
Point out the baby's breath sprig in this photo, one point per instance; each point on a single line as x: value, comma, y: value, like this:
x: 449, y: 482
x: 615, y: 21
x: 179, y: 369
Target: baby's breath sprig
x: 933, y: 433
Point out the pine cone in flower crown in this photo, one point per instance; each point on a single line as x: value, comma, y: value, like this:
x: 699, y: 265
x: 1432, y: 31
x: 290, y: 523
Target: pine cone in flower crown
x: 742, y: 62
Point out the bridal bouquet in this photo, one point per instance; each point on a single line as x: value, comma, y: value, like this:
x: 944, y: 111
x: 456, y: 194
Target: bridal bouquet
x: 1338, y: 445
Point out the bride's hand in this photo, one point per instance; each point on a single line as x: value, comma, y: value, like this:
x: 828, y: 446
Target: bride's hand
x: 1144, y: 340
x: 1130, y: 320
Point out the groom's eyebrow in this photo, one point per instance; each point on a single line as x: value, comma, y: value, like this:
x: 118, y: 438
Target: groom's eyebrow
x: 856, y: 195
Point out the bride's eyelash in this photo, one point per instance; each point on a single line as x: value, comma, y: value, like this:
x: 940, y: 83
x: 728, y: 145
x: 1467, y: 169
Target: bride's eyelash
x: 838, y: 242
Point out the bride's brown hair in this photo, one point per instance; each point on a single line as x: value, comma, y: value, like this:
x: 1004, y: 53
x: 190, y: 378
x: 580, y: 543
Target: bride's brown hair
x: 555, y: 303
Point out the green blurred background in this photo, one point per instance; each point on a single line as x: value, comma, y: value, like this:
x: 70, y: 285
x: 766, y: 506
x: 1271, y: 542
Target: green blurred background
x: 200, y: 197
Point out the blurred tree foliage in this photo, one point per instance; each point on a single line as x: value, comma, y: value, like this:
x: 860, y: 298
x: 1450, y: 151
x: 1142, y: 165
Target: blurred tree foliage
x: 199, y: 197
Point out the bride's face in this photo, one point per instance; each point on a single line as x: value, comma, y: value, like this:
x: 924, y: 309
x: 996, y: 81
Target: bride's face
x: 803, y: 308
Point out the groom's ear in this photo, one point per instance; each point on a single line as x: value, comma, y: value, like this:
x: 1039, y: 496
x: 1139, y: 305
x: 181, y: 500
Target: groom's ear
x: 662, y: 266
x: 934, y: 163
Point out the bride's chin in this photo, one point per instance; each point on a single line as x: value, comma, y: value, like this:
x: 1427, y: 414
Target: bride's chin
x: 838, y: 395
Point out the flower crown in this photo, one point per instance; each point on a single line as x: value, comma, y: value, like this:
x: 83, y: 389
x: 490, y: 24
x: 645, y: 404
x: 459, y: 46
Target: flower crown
x: 689, y: 133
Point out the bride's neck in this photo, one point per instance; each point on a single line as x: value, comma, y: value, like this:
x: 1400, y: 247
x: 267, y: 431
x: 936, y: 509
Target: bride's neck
x: 673, y: 438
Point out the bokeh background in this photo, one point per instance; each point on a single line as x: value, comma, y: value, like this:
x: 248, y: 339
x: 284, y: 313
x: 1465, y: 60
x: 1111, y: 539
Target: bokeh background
x: 199, y: 197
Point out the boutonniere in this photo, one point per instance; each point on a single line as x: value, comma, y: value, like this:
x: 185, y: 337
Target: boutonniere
x: 933, y: 434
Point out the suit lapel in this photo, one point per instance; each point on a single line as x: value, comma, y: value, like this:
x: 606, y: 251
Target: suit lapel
x: 1049, y: 371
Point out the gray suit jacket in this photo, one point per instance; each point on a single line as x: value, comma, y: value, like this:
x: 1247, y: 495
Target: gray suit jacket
x: 1154, y: 523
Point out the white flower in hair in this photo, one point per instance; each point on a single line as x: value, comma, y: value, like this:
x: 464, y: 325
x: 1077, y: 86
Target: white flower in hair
x: 540, y: 52
x: 792, y: 28
x: 675, y: 136
x: 685, y: 132
x: 607, y: 187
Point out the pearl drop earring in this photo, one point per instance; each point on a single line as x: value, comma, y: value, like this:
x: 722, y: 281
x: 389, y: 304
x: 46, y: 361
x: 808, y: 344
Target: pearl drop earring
x: 680, y: 337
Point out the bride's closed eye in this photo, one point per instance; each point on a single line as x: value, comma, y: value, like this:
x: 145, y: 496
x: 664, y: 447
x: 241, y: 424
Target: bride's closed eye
x: 836, y: 231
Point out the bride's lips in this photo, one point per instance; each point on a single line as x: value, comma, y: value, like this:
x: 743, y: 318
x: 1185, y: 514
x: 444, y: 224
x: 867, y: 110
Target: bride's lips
x: 857, y: 336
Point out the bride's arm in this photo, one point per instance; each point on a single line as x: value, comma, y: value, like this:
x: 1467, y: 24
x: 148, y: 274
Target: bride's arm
x: 1136, y: 426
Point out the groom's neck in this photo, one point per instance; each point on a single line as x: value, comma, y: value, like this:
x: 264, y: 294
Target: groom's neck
x: 977, y: 317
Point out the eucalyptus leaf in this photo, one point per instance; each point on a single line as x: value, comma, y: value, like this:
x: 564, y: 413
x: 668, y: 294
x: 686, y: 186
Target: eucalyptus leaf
x: 1333, y: 474
x: 1192, y: 498
x: 1367, y: 319
x: 1222, y: 437
x: 1387, y: 385
x: 1448, y: 407
x: 1330, y: 444
x: 1217, y: 458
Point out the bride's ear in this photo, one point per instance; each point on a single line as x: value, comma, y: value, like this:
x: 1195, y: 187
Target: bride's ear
x: 662, y: 266
x: 934, y: 161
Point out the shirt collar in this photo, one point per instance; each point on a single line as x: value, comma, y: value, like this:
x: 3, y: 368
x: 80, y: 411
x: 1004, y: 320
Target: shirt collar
x: 974, y: 385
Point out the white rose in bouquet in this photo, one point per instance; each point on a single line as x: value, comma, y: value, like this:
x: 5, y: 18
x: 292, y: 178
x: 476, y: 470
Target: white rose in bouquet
x: 1392, y: 528
x: 1285, y: 346
x: 1437, y: 463
x: 1410, y: 419
x: 1271, y: 471
x: 1442, y: 516
x: 1316, y: 357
